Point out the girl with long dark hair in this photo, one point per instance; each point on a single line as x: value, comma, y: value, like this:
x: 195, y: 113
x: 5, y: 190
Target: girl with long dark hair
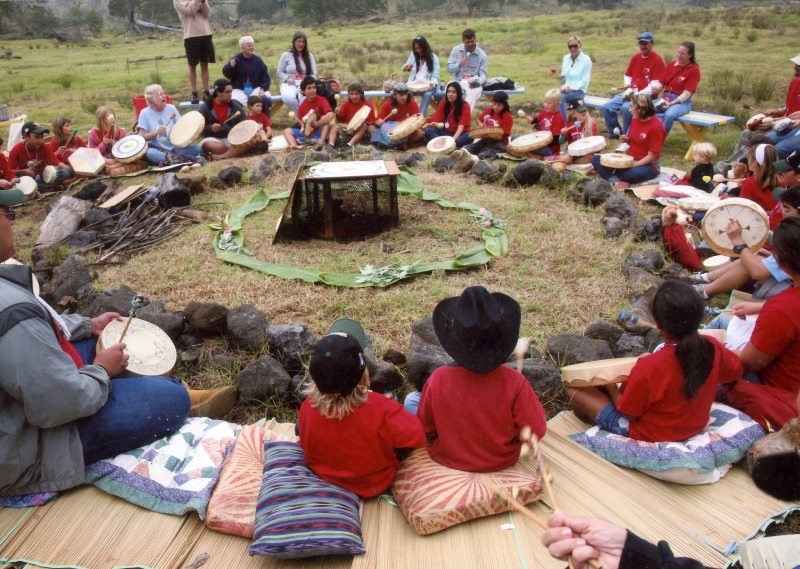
x: 423, y: 65
x: 453, y: 117
x: 296, y: 63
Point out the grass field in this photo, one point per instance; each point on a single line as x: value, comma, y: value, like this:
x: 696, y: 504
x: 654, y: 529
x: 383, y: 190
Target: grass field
x: 559, y: 267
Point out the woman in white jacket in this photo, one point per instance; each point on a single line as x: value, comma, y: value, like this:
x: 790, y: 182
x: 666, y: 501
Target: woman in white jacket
x: 424, y: 66
x: 295, y: 64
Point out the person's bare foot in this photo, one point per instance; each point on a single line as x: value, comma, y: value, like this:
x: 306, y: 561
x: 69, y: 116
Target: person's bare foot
x: 621, y: 185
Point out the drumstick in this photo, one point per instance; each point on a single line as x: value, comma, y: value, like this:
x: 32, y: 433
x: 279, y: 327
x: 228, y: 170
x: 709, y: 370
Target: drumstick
x: 136, y: 303
x: 71, y: 136
x: 233, y: 116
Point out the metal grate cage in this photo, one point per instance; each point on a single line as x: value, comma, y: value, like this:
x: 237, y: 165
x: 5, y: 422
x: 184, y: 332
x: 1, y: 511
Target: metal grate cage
x: 344, y: 209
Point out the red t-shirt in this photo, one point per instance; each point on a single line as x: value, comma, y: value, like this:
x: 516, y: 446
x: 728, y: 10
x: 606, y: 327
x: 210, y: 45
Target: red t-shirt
x: 320, y: 105
x: 793, y: 97
x: 76, y: 142
x: 654, y: 402
x: 504, y: 121
x: 19, y: 156
x: 554, y: 122
x: 646, y: 136
x: 677, y: 79
x: 777, y: 333
x: 346, y: 111
x: 450, y: 124
x: 221, y: 110
x: 6, y: 173
x: 261, y: 118
x: 762, y: 196
x: 357, y: 452
x: 472, y: 420
x: 642, y: 70
x: 403, y: 111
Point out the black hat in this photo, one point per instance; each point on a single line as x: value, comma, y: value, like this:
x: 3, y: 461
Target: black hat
x: 338, y: 363
x: 478, y: 329
x: 578, y: 105
x: 33, y: 127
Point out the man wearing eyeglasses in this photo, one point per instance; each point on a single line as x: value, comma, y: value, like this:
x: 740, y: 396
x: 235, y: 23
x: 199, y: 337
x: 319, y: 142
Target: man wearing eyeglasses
x: 576, y: 70
x: 643, y: 70
x: 469, y: 65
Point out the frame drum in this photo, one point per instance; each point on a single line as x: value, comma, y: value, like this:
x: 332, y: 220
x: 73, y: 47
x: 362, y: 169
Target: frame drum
x: 244, y: 134
x: 419, y: 86
x: 598, y: 372
x: 586, y: 146
x: 406, y: 126
x: 308, y: 123
x: 129, y: 148
x: 488, y: 132
x: 529, y: 142
x: 278, y: 143
x: 50, y: 173
x: 26, y: 185
x: 700, y: 203
x: 358, y: 119
x: 150, y: 351
x: 187, y: 129
x: 616, y: 160
x: 87, y: 161
x: 750, y: 215
x: 443, y: 145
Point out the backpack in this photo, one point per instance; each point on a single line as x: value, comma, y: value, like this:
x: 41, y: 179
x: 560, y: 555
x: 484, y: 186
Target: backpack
x: 328, y: 88
x: 499, y: 84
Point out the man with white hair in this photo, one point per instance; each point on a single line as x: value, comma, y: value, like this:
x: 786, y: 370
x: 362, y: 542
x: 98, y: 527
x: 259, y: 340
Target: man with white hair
x: 154, y: 125
x: 248, y: 74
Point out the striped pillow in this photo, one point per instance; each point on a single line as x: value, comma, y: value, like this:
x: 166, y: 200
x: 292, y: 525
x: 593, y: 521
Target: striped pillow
x: 299, y: 514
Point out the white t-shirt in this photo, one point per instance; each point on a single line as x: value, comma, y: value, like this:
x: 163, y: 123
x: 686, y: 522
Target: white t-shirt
x: 150, y: 120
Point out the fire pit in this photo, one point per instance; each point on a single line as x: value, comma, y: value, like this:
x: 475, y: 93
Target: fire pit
x: 345, y: 201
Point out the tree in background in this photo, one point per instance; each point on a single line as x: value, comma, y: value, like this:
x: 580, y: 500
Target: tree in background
x: 320, y: 11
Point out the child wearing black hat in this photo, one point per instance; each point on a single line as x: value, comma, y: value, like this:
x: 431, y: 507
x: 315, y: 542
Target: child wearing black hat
x: 349, y: 433
x: 472, y: 412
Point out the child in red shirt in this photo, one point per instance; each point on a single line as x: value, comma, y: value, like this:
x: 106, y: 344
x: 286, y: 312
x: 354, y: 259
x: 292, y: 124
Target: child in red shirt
x: 350, y: 434
x: 31, y: 155
x: 345, y: 113
x: 669, y: 393
x: 255, y: 107
x: 453, y: 117
x: 549, y: 118
x: 758, y: 186
x: 395, y: 109
x: 498, y: 114
x: 7, y: 176
x: 65, y: 139
x: 324, y: 128
x: 473, y: 412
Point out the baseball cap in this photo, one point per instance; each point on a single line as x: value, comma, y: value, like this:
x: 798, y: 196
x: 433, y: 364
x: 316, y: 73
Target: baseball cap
x: 9, y: 198
x: 33, y: 127
x: 646, y: 36
x: 789, y: 196
x: 791, y: 162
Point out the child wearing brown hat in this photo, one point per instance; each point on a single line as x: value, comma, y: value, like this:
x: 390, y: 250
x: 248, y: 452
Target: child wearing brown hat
x: 349, y: 433
x: 472, y: 412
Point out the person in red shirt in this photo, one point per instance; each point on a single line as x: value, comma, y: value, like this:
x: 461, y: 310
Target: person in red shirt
x: 255, y: 108
x: 549, y: 118
x: 352, y: 436
x: 324, y: 127
x: 65, y: 139
x: 105, y: 133
x: 759, y: 185
x: 473, y: 412
x: 453, y: 116
x: 345, y: 113
x: 400, y: 106
x: 7, y: 176
x: 31, y: 155
x: 786, y: 135
x: 580, y: 124
x: 669, y: 393
x: 498, y: 114
x: 679, y: 81
x: 645, y: 137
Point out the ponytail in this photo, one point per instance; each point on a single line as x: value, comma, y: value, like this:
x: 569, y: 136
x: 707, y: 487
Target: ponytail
x: 696, y: 357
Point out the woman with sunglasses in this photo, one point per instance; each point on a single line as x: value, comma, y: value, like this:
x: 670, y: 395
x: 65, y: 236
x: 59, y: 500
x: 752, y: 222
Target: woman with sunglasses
x: 424, y: 66
x: 576, y: 71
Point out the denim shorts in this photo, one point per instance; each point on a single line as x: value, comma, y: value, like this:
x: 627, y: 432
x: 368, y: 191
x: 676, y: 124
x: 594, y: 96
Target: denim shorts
x: 611, y: 420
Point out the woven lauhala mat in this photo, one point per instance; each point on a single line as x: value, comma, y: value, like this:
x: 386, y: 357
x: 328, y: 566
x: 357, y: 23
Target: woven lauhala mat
x: 88, y: 528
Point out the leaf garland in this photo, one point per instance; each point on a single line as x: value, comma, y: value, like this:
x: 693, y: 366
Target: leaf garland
x: 229, y: 242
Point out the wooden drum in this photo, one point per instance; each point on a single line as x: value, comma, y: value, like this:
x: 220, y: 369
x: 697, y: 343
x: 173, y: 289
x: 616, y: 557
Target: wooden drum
x: 244, y: 134
x: 750, y: 215
x: 50, y: 173
x: 150, y: 351
x: 187, y: 129
x: 442, y: 145
x: 586, y: 146
x: 521, y: 145
x: 598, y: 372
x: 405, y: 127
x: 616, y: 160
x: 26, y: 185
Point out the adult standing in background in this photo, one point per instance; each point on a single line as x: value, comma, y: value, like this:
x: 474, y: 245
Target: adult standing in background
x: 469, y: 65
x: 248, y: 74
x: 296, y: 64
x: 787, y: 139
x: 679, y: 81
x: 642, y: 75
x: 197, y: 41
x: 424, y: 66
x: 576, y: 71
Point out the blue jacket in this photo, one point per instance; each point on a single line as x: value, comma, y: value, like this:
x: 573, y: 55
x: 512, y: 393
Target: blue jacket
x: 251, y: 69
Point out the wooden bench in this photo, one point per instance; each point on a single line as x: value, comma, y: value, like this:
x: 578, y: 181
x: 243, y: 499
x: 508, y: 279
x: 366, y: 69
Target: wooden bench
x: 694, y: 123
x: 277, y: 100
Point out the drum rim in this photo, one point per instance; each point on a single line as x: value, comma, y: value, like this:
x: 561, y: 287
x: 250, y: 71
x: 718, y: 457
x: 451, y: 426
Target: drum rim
x: 417, y: 118
x: 249, y: 123
x: 136, y: 325
x: 444, y: 148
x: 188, y: 118
x: 140, y: 141
x: 364, y: 110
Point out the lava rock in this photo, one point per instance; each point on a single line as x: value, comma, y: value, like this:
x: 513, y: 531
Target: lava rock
x: 640, y: 280
x: 292, y: 344
x: 247, y: 327
x: 424, y: 331
x: 265, y: 168
x: 172, y: 324
x: 485, y: 171
x: 319, y: 156
x: 222, y: 359
x: 629, y: 345
x: 294, y: 160
x: 594, y: 191
x: 542, y: 374
x: 383, y: 376
x: 551, y: 178
x: 91, y: 191
x: 568, y: 349
x: 82, y: 239
x: 99, y: 219
x: 395, y: 357
x: 528, y: 173
x: 410, y: 159
x: 614, y: 227
x: 70, y: 276
x: 263, y: 379
x: 650, y: 230
x: 652, y: 338
x: 231, y: 175
x: 206, y: 318
x: 110, y: 300
x: 649, y: 260
x: 617, y: 205
x: 442, y: 164
x: 600, y: 329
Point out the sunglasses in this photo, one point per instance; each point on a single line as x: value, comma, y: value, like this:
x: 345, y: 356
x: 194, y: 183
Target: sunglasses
x: 573, y: 45
x: 10, y: 215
